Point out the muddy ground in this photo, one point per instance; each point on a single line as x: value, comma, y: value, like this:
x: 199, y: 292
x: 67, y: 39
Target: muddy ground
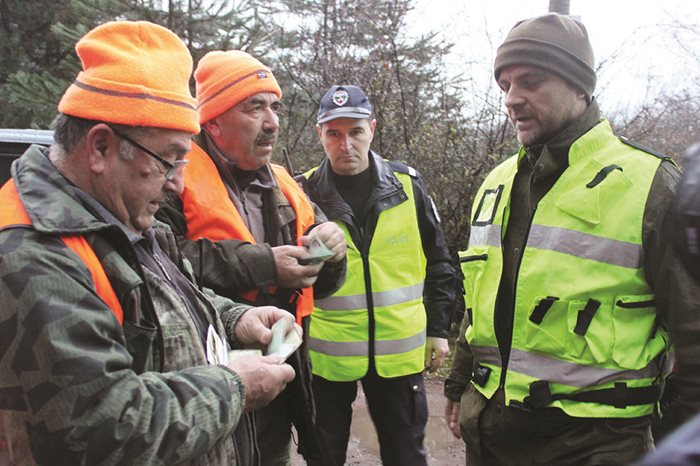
x: 443, y: 449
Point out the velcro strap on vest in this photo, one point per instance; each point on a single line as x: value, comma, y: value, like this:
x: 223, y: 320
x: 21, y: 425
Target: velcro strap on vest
x: 619, y: 396
x: 602, y: 174
x: 541, y: 309
x: 585, y: 316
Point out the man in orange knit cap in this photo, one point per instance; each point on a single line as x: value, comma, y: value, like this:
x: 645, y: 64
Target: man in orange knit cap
x: 108, y: 352
x: 244, y: 224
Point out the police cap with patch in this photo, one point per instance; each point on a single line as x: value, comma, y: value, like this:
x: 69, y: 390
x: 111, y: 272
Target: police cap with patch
x: 343, y: 102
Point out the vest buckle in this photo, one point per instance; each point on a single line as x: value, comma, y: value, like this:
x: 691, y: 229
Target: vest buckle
x: 481, y: 375
x: 540, y: 396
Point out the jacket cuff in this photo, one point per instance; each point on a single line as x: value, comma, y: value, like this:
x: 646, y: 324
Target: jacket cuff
x: 454, y: 389
x: 236, y: 385
x: 230, y: 318
x: 435, y: 333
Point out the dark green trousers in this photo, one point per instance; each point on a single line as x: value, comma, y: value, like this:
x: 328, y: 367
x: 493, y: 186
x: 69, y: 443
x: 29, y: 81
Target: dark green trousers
x: 498, y: 435
x: 273, y: 432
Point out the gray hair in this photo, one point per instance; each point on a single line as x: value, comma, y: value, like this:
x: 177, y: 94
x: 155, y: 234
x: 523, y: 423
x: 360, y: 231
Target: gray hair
x: 70, y: 131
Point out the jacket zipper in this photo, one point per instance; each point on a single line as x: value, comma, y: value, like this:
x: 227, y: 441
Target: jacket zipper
x: 162, y: 268
x: 365, y: 242
x: 506, y: 357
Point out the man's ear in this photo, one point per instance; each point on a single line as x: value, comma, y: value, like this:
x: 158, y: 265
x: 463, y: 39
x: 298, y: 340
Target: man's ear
x: 319, y: 131
x: 213, y: 127
x: 100, y: 142
x: 372, y: 126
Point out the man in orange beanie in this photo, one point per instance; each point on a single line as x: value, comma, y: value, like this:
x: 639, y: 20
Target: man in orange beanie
x: 245, y: 225
x: 108, y: 352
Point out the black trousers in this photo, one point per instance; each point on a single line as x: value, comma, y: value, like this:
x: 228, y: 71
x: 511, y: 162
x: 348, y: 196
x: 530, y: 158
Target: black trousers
x: 497, y: 435
x: 398, y: 408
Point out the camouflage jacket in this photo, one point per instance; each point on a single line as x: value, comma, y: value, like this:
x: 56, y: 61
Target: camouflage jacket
x: 78, y: 388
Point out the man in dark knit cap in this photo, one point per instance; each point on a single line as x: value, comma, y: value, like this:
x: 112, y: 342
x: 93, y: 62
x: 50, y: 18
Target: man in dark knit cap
x: 572, y: 290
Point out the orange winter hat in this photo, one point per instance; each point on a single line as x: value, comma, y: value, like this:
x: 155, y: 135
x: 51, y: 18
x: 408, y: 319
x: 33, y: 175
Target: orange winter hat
x: 135, y: 73
x: 226, y: 78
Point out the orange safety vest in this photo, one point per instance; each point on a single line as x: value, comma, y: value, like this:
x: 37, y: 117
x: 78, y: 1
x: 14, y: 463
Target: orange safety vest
x: 14, y: 213
x: 211, y: 213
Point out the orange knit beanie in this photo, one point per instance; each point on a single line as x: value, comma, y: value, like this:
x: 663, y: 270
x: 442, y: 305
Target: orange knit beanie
x: 135, y: 73
x: 226, y: 78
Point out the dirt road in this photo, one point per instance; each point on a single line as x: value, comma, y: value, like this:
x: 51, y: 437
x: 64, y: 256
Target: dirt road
x: 442, y: 447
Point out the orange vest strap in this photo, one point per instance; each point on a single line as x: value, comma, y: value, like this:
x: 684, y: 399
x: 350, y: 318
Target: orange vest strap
x: 14, y: 213
x: 104, y: 289
x: 211, y: 214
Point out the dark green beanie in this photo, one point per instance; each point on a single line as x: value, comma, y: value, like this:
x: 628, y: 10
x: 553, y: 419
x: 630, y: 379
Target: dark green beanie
x: 557, y: 43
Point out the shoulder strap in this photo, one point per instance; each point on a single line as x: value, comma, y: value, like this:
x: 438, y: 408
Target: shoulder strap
x: 403, y: 168
x: 207, y: 206
x: 644, y: 148
x: 14, y: 213
x: 104, y: 289
x: 305, y: 219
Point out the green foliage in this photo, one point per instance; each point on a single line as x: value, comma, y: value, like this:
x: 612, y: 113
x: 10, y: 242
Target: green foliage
x: 420, y: 109
x: 37, y: 61
x: 310, y: 44
x: 446, y: 126
x: 37, y: 41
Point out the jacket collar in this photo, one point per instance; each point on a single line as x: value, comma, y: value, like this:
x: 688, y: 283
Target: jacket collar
x: 553, y: 156
x: 263, y: 178
x: 386, y: 188
x: 51, y: 201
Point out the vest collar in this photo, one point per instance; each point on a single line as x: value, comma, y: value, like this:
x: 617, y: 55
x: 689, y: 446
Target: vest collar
x: 263, y: 176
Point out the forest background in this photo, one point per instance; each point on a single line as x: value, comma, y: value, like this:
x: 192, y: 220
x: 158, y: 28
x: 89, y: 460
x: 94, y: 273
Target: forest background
x: 440, y: 119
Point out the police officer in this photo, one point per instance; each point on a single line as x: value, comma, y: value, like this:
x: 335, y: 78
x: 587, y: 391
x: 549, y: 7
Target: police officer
x: 389, y: 320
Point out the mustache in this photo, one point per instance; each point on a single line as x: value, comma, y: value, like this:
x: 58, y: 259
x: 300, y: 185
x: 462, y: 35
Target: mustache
x: 266, y: 138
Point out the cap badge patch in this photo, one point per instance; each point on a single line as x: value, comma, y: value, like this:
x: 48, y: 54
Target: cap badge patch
x: 262, y: 74
x: 340, y: 97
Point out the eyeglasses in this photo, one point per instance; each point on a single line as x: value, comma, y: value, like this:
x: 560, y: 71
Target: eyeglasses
x: 171, y: 169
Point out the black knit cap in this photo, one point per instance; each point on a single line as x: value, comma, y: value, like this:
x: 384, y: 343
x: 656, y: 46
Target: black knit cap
x: 555, y: 42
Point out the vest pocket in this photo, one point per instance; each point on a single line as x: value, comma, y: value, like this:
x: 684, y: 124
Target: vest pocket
x: 472, y: 264
x: 177, y: 344
x: 139, y: 342
x: 589, y: 324
x: 546, y: 326
x: 636, y: 337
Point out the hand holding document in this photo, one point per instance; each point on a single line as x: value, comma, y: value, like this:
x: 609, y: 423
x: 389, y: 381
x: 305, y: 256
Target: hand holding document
x: 319, y: 252
x: 283, y: 342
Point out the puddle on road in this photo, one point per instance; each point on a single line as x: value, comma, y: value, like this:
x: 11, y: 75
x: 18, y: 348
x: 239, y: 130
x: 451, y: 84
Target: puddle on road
x: 438, y: 438
x: 363, y: 448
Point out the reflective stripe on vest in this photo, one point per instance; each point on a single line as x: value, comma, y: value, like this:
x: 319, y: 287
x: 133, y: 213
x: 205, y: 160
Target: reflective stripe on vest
x: 583, y: 258
x: 541, y: 367
x: 392, y: 291
x: 211, y: 213
x: 573, y: 243
x: 360, y: 348
x: 379, y: 298
x: 14, y: 213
